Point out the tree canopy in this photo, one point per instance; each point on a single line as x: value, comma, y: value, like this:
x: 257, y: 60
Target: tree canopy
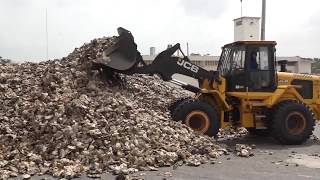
x: 315, y: 66
x: 4, y: 61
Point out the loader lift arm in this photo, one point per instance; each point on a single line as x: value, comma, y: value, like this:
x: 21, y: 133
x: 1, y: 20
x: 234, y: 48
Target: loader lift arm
x: 124, y: 57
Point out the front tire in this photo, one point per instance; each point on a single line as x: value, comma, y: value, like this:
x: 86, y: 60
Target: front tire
x: 172, y: 107
x: 292, y: 123
x: 199, y: 116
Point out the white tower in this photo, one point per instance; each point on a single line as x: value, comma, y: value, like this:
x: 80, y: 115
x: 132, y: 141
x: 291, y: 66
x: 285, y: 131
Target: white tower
x: 246, y: 28
x: 152, y: 51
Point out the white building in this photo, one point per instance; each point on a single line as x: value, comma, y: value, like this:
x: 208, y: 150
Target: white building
x: 246, y: 28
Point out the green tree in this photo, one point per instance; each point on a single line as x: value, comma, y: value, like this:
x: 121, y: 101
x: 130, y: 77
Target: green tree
x: 4, y: 61
x: 315, y: 66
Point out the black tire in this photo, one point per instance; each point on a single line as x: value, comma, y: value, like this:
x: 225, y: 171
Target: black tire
x: 259, y: 132
x: 199, y: 116
x: 172, y: 107
x: 292, y: 123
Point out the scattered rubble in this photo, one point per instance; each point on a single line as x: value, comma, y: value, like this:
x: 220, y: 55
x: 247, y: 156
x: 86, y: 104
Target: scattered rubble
x: 243, y: 150
x: 166, y: 174
x: 59, y: 118
x: 26, y: 176
x: 266, y: 152
x: 232, y: 133
x: 314, y: 137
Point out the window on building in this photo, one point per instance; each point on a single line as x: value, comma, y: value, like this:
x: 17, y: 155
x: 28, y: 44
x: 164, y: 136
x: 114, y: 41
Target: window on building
x: 238, y: 23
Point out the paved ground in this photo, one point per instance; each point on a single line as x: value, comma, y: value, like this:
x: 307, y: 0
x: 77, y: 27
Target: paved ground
x: 261, y: 166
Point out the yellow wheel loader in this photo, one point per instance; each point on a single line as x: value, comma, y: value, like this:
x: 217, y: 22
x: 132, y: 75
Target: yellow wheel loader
x: 245, y: 91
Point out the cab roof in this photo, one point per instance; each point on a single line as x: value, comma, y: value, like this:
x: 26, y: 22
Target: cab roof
x: 237, y: 43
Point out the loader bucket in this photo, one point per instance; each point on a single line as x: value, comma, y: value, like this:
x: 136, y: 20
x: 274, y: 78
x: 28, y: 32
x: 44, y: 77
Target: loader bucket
x: 121, y: 56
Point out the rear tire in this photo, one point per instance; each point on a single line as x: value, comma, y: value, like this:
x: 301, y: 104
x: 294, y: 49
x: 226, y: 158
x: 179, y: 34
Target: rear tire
x: 292, y: 123
x: 172, y: 107
x: 199, y: 116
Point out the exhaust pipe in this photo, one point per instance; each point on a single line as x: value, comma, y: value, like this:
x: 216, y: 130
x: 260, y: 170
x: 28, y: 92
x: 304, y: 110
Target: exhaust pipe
x: 283, y: 65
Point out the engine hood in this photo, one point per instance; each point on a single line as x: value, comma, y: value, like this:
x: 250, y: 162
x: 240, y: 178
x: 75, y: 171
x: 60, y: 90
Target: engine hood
x: 285, y: 78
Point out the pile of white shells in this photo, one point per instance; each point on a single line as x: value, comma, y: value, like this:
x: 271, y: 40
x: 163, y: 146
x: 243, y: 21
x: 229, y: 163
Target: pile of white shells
x: 60, y: 118
x: 232, y: 133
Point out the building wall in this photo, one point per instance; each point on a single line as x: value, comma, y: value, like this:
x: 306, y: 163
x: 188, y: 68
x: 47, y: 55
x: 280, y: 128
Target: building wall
x: 291, y: 67
x: 246, y: 28
x: 206, y: 62
x: 304, y: 66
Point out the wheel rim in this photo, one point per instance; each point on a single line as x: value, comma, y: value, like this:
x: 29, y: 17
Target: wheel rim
x: 295, y: 123
x: 198, y: 121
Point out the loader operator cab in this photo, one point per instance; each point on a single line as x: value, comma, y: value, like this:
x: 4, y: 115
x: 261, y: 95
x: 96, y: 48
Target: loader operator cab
x: 248, y: 65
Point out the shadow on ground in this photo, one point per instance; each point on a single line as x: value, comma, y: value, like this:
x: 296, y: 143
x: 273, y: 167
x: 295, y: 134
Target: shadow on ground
x: 265, y: 142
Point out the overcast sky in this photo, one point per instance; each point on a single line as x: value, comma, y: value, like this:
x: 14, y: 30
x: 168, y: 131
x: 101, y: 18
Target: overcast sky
x: 205, y: 24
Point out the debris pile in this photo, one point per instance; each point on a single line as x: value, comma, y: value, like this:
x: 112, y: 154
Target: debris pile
x: 59, y: 118
x: 244, y: 150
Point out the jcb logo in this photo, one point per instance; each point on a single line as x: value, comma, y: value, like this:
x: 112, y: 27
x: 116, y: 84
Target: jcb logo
x: 188, y: 65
